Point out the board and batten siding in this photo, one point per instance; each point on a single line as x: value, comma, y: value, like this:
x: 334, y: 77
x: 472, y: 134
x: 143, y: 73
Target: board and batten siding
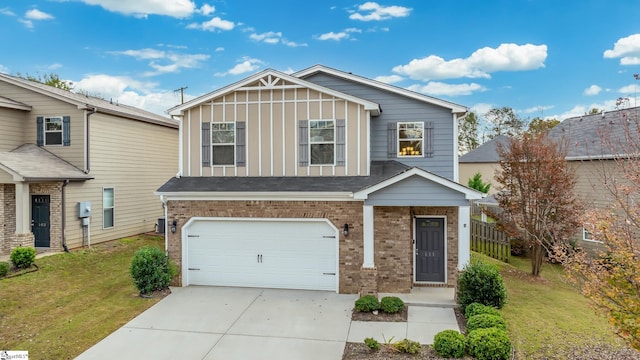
x: 46, y: 106
x: 12, y: 123
x: 398, y: 108
x: 416, y: 191
x: 133, y: 157
x: 271, y: 119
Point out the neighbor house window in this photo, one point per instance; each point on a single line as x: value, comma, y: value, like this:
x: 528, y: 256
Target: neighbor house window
x: 223, y: 137
x: 410, y: 139
x: 107, y: 207
x: 322, y: 142
x: 588, y: 236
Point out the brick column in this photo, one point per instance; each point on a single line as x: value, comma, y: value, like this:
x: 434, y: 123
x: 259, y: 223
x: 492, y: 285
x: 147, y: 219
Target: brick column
x: 368, y: 281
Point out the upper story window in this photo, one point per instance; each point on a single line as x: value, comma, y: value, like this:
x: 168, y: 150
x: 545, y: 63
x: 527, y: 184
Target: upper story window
x: 410, y: 139
x: 53, y: 130
x: 223, y: 136
x: 322, y: 139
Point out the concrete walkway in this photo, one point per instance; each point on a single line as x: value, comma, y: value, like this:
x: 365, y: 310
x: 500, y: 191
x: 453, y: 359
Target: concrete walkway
x: 245, y: 323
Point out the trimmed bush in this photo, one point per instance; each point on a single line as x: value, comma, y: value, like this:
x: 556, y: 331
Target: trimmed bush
x: 4, y: 268
x: 367, y: 303
x: 449, y: 344
x: 391, y: 304
x: 151, y: 270
x: 477, y: 309
x: 407, y: 346
x: 23, y: 257
x: 372, y: 344
x: 485, y: 321
x: 489, y: 344
x: 481, y: 283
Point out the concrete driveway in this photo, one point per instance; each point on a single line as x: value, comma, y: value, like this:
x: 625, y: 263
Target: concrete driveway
x: 202, y: 322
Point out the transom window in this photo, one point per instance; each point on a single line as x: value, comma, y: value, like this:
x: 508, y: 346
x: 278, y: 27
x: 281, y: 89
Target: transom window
x: 410, y: 139
x: 53, y: 131
x: 322, y: 138
x: 223, y: 137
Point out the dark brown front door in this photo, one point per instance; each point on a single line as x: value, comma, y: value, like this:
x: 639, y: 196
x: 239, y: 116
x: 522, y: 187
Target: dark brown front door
x: 40, y: 220
x: 430, y: 260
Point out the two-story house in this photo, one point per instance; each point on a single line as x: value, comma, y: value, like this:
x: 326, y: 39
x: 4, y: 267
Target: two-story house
x: 317, y: 180
x: 77, y: 170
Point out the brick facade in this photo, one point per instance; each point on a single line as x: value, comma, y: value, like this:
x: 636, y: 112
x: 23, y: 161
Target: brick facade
x: 393, y: 239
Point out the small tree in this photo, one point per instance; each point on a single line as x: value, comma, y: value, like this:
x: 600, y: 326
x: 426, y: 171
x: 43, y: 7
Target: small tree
x: 468, y: 133
x: 51, y: 79
x: 536, y: 194
x: 538, y: 125
x: 476, y: 182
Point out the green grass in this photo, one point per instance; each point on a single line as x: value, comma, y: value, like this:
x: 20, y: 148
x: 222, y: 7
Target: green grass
x: 546, y: 316
x: 73, y: 301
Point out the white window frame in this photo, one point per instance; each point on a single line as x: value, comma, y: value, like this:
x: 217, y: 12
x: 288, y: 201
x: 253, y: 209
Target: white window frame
x: 587, y: 236
x: 233, y: 144
x: 312, y: 142
x: 45, y: 131
x: 399, y: 140
x: 112, y: 207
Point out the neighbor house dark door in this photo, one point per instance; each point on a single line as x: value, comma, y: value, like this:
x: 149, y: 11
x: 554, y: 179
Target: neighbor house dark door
x: 430, y: 260
x: 40, y: 220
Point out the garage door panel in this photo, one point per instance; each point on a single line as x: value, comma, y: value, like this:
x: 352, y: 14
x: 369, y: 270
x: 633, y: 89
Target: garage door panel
x: 258, y: 253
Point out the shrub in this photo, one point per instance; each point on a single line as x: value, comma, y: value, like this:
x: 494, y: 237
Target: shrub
x: 481, y: 283
x: 484, y: 321
x: 489, y: 344
x: 151, y: 270
x: 407, y: 346
x: 477, y: 309
x: 4, y: 268
x: 391, y: 304
x: 23, y: 257
x: 372, y: 343
x: 367, y: 303
x: 450, y: 344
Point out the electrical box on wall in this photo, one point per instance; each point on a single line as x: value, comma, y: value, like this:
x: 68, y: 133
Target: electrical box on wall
x: 84, y: 209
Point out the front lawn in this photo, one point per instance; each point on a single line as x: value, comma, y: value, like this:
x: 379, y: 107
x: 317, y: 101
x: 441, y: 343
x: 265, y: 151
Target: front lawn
x: 73, y: 301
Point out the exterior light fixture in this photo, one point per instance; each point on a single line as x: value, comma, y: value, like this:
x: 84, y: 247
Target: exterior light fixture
x: 174, y: 224
x: 346, y: 230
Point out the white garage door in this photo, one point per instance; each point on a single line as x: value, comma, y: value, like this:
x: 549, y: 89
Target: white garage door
x: 274, y: 253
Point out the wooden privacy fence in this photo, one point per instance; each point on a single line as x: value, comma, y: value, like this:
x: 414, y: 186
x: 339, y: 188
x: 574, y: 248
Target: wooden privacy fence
x: 488, y: 240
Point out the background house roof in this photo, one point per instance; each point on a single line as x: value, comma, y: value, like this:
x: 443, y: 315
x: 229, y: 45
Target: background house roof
x: 485, y: 153
x: 90, y: 102
x: 31, y: 162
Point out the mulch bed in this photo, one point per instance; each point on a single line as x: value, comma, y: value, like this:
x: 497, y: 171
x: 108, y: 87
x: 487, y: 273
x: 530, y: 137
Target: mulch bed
x: 13, y: 271
x: 400, y: 316
x: 360, y: 351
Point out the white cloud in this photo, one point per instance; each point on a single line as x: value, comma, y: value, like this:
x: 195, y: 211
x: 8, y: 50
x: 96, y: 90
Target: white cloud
x: 592, y: 90
x: 4, y: 69
x: 214, y: 24
x: 219, y: 49
x: 353, y: 30
x: 483, y: 62
x: 7, y: 11
x: 272, y: 37
x: 334, y: 36
x: 537, y: 109
x: 389, y: 79
x: 245, y: 65
x: 142, y: 54
x: 438, y: 88
x: 627, y: 49
x: 142, y: 8
x: 35, y: 14
x: 629, y: 89
x: 372, y: 11
x: 27, y: 23
x: 207, y: 9
x: 165, y: 61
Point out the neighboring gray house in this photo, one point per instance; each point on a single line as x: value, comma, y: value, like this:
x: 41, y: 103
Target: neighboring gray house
x: 318, y: 180
x: 484, y: 160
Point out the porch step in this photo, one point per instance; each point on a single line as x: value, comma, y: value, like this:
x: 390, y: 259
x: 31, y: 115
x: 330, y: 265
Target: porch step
x: 427, y: 296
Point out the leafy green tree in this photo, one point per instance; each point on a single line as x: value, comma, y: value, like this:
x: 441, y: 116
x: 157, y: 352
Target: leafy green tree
x: 595, y: 111
x: 538, y: 124
x: 476, y: 182
x: 51, y: 79
x: 468, y: 133
x: 504, y: 121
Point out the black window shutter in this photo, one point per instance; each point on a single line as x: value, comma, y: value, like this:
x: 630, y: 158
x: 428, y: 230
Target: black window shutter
x: 303, y: 141
x: 428, y: 139
x: 340, y: 142
x: 40, y: 131
x: 240, y: 143
x: 206, y: 144
x: 66, y: 130
x: 392, y: 140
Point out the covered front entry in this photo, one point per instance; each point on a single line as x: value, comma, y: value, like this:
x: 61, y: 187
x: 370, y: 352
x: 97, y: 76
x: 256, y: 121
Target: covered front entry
x: 41, y: 220
x: 251, y: 252
x: 430, y: 253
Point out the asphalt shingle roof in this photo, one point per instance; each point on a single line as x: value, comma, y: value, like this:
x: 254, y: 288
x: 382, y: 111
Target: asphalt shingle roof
x: 485, y: 153
x: 34, y: 163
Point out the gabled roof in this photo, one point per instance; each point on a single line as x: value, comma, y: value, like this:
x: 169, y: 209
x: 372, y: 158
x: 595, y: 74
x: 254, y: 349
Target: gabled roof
x: 485, y: 153
x: 29, y: 162
x: 90, y: 102
x: 274, y: 77
x: 12, y: 104
x: 455, y: 108
x: 598, y: 136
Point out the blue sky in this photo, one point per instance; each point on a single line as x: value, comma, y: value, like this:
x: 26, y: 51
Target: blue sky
x: 543, y: 58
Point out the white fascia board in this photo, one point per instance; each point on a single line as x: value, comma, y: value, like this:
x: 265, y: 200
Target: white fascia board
x: 470, y: 194
x: 257, y: 196
x: 368, y: 105
x: 455, y: 108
